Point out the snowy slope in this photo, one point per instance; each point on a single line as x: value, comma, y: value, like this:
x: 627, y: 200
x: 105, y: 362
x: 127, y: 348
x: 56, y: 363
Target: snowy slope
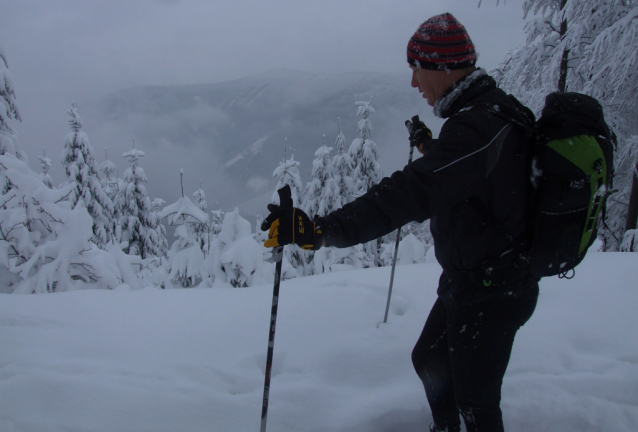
x: 193, y: 360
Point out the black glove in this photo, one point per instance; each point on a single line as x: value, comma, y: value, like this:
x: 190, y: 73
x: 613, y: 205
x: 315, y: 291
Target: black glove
x: 291, y: 225
x: 419, y: 133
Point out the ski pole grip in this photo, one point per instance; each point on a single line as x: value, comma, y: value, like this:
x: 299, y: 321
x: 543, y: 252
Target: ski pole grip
x: 285, y: 197
x: 410, y: 127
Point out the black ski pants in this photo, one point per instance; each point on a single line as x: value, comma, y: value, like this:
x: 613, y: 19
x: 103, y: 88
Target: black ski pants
x: 462, y: 355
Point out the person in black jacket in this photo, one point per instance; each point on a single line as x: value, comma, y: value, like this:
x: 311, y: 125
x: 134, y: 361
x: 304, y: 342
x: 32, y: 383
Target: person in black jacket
x: 473, y: 184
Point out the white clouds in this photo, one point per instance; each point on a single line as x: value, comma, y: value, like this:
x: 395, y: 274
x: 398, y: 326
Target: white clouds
x: 173, y: 42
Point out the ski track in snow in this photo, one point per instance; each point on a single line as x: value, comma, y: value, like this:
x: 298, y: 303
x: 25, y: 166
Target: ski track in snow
x: 194, y: 359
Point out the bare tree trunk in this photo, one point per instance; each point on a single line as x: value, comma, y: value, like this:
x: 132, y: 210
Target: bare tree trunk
x: 632, y: 211
x: 562, y: 79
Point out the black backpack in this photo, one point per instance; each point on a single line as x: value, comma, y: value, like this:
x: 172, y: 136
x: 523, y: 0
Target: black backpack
x: 571, y: 172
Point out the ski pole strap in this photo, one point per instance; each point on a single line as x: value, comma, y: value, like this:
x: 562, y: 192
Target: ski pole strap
x: 285, y: 197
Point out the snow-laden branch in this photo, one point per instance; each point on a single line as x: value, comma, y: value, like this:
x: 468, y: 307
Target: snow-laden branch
x: 183, y: 211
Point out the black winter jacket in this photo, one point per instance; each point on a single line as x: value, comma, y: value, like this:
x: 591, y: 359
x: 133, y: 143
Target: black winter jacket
x: 472, y: 183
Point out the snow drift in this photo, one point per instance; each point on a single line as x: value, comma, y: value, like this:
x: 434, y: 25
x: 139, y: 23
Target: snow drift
x: 169, y: 360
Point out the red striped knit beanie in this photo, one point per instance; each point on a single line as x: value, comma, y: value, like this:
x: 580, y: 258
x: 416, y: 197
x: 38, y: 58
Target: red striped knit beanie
x: 441, y: 43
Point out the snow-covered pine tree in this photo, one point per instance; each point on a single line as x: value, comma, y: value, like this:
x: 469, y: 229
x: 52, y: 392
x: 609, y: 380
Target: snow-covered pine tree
x: 329, y: 259
x: 8, y: 111
x: 586, y: 46
x: 321, y: 195
x: 608, y: 71
x: 157, y: 204
x: 81, y: 170
x: 236, y: 258
x: 367, y: 171
x: 287, y: 173
x: 216, y: 221
x: 111, y: 185
x: 45, y: 166
x: 156, y: 209
x: 411, y: 234
x: 201, y: 230
x: 200, y: 199
x: 411, y: 251
x: 110, y: 182
x: 45, y: 246
x: 541, y: 65
x: 186, y: 256
x: 342, y: 167
x: 421, y: 231
x: 363, y: 151
x: 322, y: 192
x: 260, y: 237
x: 140, y: 233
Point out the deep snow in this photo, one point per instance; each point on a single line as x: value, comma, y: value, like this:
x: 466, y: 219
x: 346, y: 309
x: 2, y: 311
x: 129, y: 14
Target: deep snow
x: 193, y: 359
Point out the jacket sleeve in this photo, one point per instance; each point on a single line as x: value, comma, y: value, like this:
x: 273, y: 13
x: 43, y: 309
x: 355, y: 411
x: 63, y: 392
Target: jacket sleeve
x: 450, y: 171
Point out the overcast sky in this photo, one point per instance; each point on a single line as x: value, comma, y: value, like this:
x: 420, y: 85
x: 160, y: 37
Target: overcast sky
x: 65, y: 50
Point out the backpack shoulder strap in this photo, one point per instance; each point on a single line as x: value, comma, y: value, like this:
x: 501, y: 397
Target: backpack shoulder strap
x: 517, y: 114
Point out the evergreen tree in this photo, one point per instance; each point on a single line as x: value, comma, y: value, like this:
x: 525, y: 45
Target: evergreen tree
x: 261, y: 236
x: 46, y: 246
x: 342, y: 171
x: 111, y: 185
x: 329, y: 259
x: 363, y: 152
x: 109, y: 180
x: 156, y: 209
x: 8, y: 111
x: 45, y: 165
x: 367, y: 171
x: 140, y: 233
x: 186, y: 256
x: 236, y: 258
x: 216, y: 223
x: 321, y: 195
x: 157, y: 204
x: 81, y: 170
x: 201, y: 230
x: 587, y: 46
x: 287, y: 173
x: 322, y: 191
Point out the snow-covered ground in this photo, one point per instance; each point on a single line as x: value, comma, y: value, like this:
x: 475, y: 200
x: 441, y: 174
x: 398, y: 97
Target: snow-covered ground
x: 193, y: 359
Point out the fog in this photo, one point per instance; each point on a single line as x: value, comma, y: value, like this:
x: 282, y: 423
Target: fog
x: 61, y: 51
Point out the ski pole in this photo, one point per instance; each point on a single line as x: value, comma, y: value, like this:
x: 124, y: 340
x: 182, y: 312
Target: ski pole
x: 285, y: 200
x: 394, y: 259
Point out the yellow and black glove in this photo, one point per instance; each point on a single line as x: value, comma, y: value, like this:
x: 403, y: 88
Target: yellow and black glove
x: 420, y: 134
x: 291, y: 225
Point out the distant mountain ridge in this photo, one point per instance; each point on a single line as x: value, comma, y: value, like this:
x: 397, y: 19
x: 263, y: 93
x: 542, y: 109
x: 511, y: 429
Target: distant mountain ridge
x: 230, y: 135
